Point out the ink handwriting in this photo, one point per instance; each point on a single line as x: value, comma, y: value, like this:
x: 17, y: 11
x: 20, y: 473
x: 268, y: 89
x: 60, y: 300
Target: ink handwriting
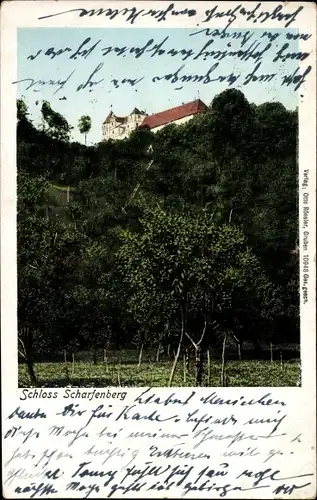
x: 267, y: 474
x: 132, y: 14
x: 37, y: 84
x: 265, y: 52
x: 177, y: 443
x: 35, y: 489
x: 21, y: 414
x: 171, y: 399
x: 20, y: 431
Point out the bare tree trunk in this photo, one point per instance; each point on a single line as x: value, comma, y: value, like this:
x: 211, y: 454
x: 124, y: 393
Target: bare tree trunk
x: 25, y: 343
x: 112, y: 370
x: 258, y: 348
x: 281, y: 360
x: 175, y: 362
x: 95, y: 356
x: 67, y: 194
x: 65, y: 356
x: 240, y: 350
x: 177, y: 353
x: 199, y: 365
x: 140, y: 356
x: 223, y: 361
x: 105, y: 359
x: 239, y: 346
x: 184, y: 368
x: 73, y: 362
x: 31, y: 372
x: 271, y: 350
x: 208, y: 366
x: 199, y: 354
x: 118, y: 375
x: 158, y: 352
x: 187, y: 358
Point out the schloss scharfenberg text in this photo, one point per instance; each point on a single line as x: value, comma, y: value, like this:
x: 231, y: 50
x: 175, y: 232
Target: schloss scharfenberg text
x: 261, y: 49
x: 179, y: 441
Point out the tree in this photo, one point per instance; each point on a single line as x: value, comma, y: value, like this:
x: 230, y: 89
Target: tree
x: 22, y: 110
x: 34, y: 307
x: 84, y: 125
x: 57, y: 126
x: 186, y: 270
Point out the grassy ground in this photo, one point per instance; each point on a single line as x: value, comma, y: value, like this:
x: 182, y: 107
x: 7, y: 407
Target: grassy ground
x: 58, y: 194
x: 86, y: 374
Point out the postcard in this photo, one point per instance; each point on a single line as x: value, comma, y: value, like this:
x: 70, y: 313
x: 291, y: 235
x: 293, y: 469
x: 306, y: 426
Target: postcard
x: 158, y: 257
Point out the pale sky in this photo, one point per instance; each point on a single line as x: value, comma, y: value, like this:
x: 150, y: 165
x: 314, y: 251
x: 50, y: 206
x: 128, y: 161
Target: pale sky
x: 146, y: 95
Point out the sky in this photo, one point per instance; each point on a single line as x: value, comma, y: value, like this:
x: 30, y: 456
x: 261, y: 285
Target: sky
x: 97, y: 100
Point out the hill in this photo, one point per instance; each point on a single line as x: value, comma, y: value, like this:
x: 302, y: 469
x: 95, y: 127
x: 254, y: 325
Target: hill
x: 191, y: 239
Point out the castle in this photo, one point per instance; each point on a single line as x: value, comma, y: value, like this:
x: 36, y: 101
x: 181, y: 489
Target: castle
x: 116, y: 127
x: 120, y: 127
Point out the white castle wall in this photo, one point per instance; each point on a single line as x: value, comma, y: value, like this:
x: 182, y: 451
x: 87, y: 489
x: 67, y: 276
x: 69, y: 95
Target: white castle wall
x: 176, y: 122
x: 116, y: 130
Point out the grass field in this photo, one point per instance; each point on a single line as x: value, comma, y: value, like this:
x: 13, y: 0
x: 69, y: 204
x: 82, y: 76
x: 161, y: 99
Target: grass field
x: 86, y: 374
x: 58, y: 194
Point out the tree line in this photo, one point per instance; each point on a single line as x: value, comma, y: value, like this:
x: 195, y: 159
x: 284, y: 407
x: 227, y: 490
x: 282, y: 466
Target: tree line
x: 182, y: 238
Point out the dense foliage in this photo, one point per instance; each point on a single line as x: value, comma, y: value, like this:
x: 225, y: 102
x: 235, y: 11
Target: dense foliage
x: 168, y: 239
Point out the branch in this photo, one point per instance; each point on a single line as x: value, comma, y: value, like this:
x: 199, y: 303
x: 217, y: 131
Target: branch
x: 235, y: 337
x: 22, y: 352
x: 203, y: 333
x: 215, y: 324
x: 194, y: 344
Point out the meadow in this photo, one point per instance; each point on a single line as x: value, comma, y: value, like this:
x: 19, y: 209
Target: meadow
x: 249, y: 373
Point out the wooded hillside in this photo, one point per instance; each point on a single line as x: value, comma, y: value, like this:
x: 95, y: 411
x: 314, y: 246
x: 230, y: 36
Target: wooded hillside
x: 173, y: 239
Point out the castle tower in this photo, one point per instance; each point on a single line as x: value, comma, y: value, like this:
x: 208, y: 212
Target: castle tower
x: 119, y: 127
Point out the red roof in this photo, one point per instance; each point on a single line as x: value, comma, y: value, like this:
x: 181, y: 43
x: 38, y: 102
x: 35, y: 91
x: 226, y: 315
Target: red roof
x: 173, y: 114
